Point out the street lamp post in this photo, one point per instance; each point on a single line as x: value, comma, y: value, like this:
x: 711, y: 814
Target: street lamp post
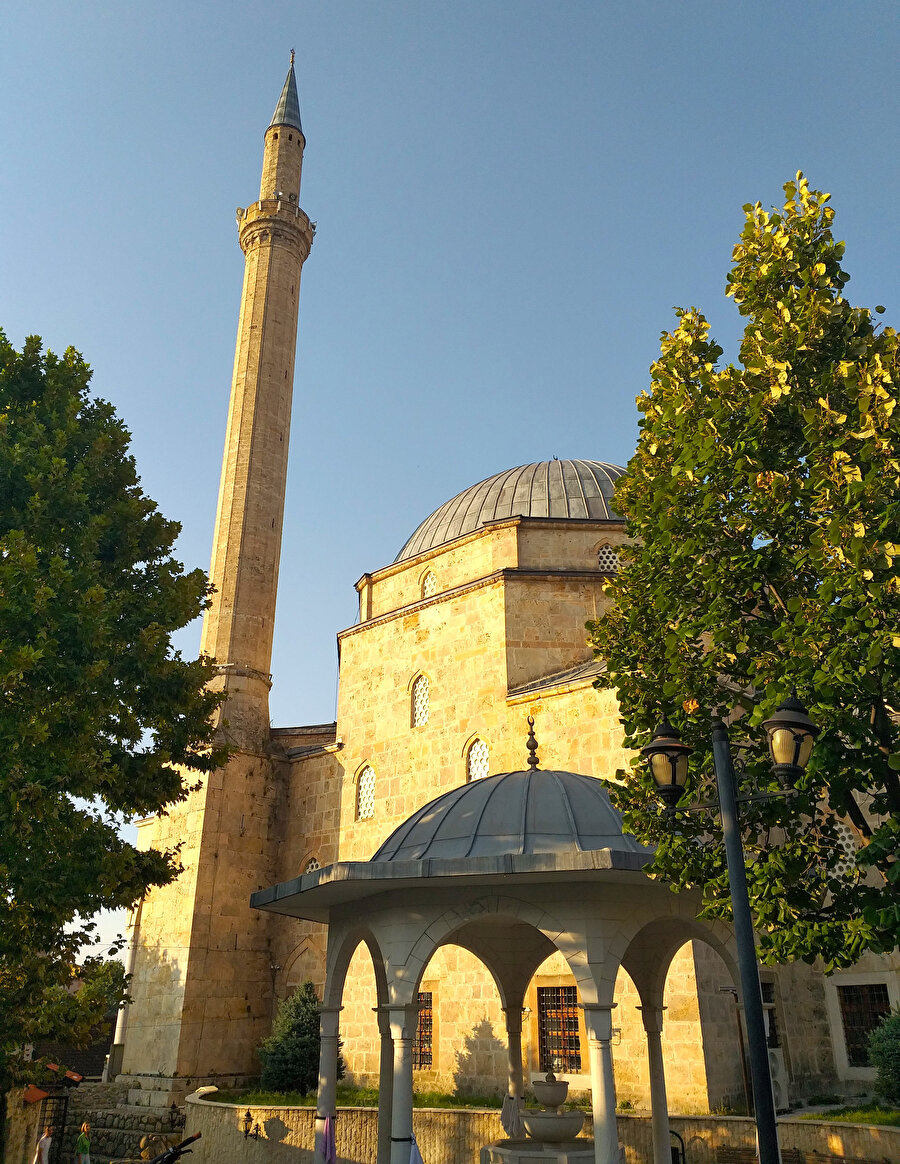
x: 791, y: 734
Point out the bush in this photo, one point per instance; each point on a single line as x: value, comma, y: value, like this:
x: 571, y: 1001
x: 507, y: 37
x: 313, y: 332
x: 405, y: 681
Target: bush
x: 884, y: 1055
x: 290, y: 1055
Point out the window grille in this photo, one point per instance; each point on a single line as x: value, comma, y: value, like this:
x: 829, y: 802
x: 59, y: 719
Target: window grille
x: 608, y: 559
x: 365, y: 794
x: 420, y: 701
x: 845, y: 864
x: 477, y: 760
x: 429, y: 585
x: 559, y: 1046
x: 312, y: 865
x: 862, y: 1009
x: 422, y: 1052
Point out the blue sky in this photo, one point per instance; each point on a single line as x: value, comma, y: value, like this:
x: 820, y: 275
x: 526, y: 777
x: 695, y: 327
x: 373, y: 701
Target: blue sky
x: 510, y: 199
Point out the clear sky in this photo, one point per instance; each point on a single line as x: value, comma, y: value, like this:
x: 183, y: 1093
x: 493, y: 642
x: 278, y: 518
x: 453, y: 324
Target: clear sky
x: 510, y: 198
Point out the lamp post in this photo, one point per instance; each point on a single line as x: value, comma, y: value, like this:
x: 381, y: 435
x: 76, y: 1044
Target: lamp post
x: 791, y: 734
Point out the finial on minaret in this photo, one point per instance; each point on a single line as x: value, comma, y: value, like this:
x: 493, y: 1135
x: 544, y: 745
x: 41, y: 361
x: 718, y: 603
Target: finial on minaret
x: 287, y: 111
x: 531, y: 744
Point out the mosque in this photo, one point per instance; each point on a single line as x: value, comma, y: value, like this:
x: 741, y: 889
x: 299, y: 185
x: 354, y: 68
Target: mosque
x: 473, y: 627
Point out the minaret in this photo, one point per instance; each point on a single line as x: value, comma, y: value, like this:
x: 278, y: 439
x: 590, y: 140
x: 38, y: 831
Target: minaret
x: 275, y: 236
x: 203, y: 973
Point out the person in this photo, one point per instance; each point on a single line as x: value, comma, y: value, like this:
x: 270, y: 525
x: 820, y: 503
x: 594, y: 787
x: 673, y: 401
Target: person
x: 83, y: 1145
x: 42, y: 1147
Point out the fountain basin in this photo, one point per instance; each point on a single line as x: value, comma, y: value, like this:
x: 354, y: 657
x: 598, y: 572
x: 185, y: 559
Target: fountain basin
x: 550, y: 1092
x: 553, y: 1127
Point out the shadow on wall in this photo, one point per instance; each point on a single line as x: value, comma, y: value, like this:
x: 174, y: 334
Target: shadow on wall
x: 285, y: 1135
x: 481, y: 1063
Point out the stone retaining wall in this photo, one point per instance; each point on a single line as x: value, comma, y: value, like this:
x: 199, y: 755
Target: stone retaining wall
x: 456, y: 1136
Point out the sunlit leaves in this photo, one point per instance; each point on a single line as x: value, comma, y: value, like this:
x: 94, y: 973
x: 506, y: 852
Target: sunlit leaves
x: 97, y: 712
x: 764, y: 500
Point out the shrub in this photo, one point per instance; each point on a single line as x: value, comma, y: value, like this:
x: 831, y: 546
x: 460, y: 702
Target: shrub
x: 290, y: 1055
x: 884, y: 1055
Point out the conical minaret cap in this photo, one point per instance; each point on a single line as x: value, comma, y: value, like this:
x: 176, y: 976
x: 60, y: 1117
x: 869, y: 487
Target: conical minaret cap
x: 287, y: 111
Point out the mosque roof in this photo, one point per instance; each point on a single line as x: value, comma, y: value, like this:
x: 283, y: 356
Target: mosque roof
x: 287, y: 111
x: 562, y: 489
x: 513, y: 813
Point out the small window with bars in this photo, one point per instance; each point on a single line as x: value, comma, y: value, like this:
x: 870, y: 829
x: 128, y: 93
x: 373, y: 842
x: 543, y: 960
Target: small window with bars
x: 862, y: 1009
x: 422, y: 1054
x: 429, y: 585
x: 559, y: 1046
x: 365, y: 794
x: 312, y: 865
x: 420, y: 701
x: 608, y: 559
x: 477, y: 760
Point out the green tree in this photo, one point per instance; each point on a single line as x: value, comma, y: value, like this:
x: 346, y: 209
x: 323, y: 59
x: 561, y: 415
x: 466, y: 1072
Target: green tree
x: 884, y: 1055
x: 100, y: 719
x: 290, y: 1056
x: 764, y: 506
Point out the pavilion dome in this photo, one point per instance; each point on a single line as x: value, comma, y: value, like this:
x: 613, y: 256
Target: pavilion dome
x: 519, y: 813
x: 562, y: 489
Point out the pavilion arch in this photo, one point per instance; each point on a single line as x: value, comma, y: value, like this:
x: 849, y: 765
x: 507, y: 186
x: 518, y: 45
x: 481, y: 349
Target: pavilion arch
x: 340, y: 955
x: 474, y: 927
x: 650, y: 952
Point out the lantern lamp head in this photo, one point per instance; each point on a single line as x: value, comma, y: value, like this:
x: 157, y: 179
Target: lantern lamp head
x: 791, y: 737
x: 667, y: 757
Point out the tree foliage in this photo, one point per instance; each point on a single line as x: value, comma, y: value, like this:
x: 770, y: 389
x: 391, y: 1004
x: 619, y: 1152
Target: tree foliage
x: 884, y: 1055
x: 99, y: 717
x: 290, y: 1056
x: 764, y: 506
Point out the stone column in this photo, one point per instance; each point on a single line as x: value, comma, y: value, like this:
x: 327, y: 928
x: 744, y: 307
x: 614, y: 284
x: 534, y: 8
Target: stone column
x: 403, y: 1021
x: 326, y: 1104
x: 385, y: 1085
x: 513, y: 1015
x: 659, y: 1107
x: 598, y: 1022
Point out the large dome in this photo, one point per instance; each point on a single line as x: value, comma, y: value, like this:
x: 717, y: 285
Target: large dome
x: 573, y: 489
x: 517, y: 813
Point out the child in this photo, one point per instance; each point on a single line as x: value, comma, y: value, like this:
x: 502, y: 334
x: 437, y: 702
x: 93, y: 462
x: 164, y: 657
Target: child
x: 83, y: 1145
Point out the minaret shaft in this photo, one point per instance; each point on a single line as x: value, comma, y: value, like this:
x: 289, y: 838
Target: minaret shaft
x: 275, y: 236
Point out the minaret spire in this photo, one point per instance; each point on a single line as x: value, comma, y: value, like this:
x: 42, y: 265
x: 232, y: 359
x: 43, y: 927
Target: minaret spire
x: 275, y: 236
x: 287, y: 111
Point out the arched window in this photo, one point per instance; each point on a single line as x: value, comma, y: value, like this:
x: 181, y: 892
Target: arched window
x: 420, y: 701
x: 429, y: 585
x: 365, y: 794
x: 477, y: 760
x: 312, y: 865
x: 608, y: 559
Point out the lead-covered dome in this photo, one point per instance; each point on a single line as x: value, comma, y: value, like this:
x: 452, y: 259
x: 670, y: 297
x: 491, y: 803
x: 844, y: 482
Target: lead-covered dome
x: 565, y: 489
x: 519, y: 813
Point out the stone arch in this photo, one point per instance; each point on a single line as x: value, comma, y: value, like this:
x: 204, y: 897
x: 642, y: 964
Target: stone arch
x: 306, y: 960
x: 340, y: 953
x: 404, y: 978
x: 650, y: 951
x: 419, y: 685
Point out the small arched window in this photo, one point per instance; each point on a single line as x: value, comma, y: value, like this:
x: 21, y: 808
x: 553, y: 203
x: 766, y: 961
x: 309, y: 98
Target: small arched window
x: 429, y: 585
x: 420, y: 701
x: 365, y: 794
x: 312, y: 865
x: 608, y: 559
x: 477, y: 760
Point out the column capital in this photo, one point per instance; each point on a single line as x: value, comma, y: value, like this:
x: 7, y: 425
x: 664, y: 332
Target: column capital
x: 652, y: 1018
x: 329, y: 1021
x: 403, y: 1020
x: 598, y: 1020
x: 514, y: 1016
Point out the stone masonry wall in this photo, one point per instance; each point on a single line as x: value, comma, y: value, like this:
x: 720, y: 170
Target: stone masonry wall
x: 455, y: 1137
